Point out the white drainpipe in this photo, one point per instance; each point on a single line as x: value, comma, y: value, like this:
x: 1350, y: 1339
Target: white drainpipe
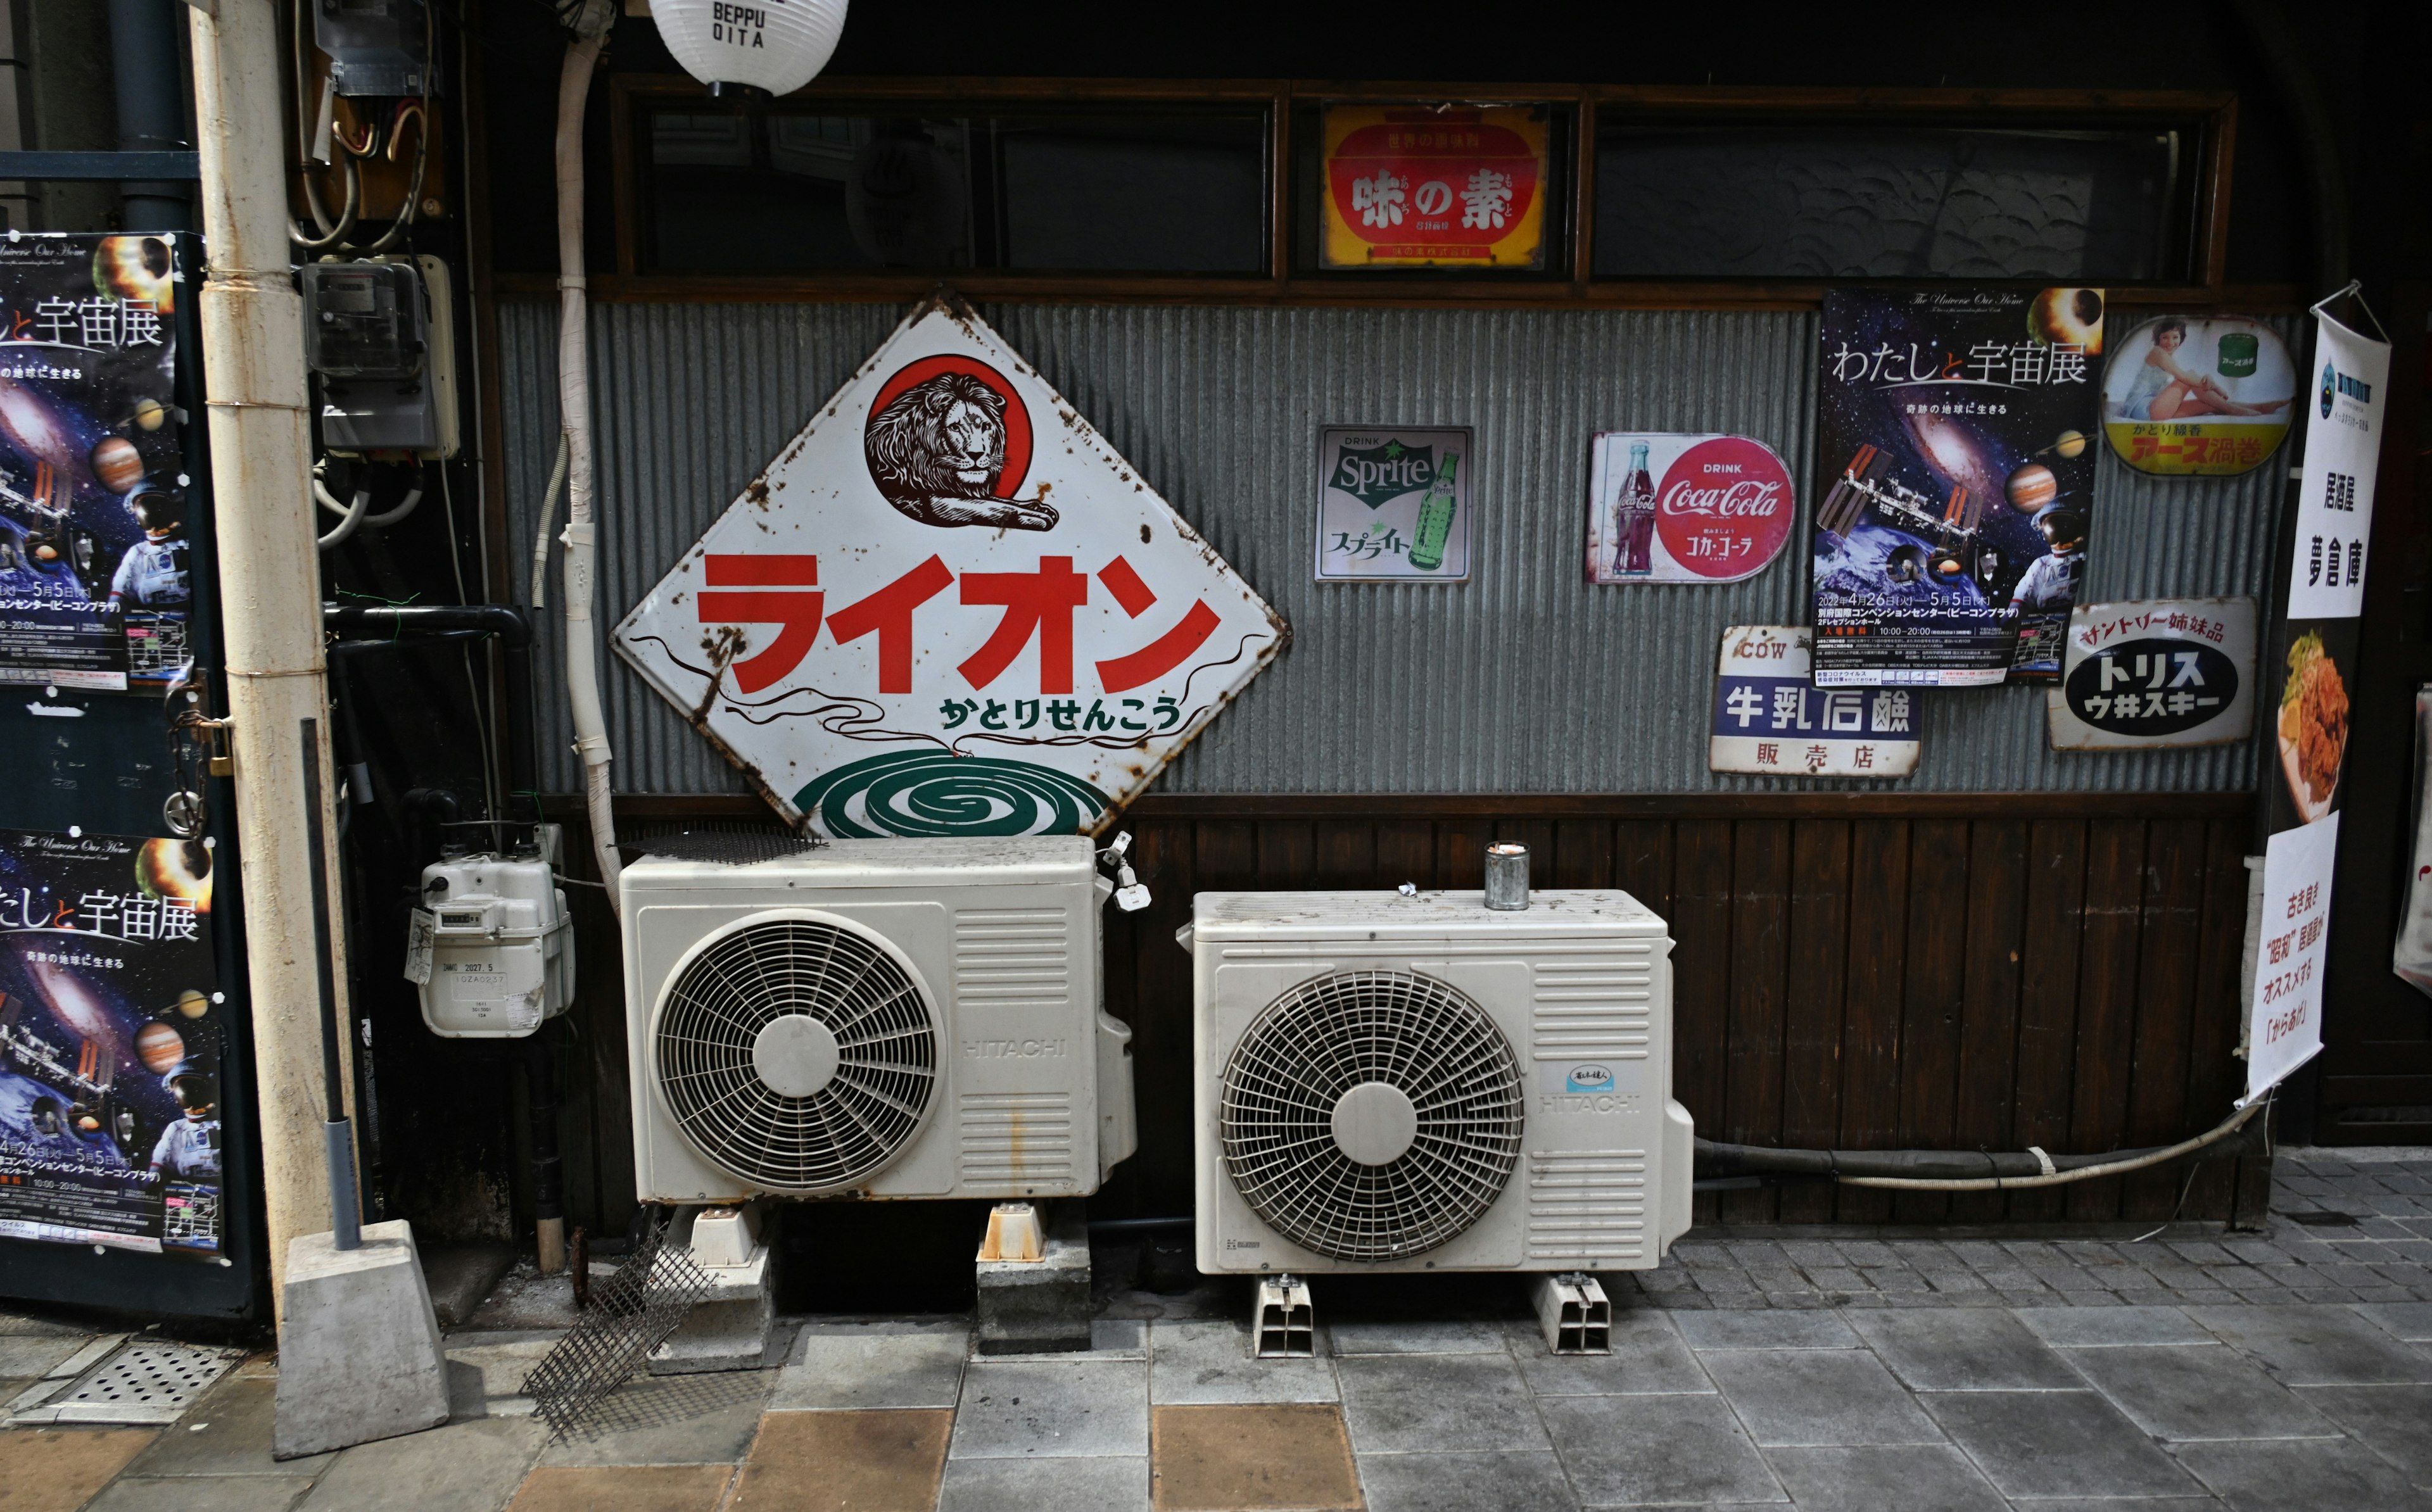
x: 270, y: 586
x: 574, y: 405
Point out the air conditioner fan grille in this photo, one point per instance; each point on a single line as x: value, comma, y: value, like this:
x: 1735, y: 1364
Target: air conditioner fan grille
x: 1324, y: 1037
x: 712, y: 1021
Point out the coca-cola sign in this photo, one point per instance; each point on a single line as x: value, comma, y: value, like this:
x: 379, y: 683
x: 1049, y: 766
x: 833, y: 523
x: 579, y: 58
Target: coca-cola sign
x: 1686, y: 508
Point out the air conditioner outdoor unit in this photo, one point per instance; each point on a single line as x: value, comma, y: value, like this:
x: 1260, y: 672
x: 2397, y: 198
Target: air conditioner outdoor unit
x: 1419, y: 1083
x: 883, y: 1018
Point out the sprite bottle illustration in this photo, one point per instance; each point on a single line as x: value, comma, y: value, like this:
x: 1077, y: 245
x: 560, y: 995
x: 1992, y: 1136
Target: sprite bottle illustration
x: 1435, y: 519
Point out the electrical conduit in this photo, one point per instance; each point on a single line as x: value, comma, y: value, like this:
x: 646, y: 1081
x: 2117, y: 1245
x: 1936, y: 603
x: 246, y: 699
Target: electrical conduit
x: 574, y: 405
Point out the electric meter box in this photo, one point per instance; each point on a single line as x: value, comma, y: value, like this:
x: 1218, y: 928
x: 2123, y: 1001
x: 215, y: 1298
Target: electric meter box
x: 379, y: 335
x: 491, y: 947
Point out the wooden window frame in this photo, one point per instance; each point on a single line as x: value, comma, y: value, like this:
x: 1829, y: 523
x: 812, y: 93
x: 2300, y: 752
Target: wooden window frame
x: 1282, y: 286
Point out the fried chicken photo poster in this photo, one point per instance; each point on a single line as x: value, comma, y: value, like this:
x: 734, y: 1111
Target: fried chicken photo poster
x: 2309, y: 720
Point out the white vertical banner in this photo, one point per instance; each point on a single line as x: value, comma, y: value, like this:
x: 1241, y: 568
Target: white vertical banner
x: 2335, y: 494
x: 2285, y: 1022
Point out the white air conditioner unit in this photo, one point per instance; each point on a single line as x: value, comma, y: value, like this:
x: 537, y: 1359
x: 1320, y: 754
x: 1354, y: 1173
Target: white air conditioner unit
x: 1419, y: 1083
x: 882, y: 1018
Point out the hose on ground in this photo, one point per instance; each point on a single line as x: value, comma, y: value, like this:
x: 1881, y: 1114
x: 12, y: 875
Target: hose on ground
x: 1954, y: 1170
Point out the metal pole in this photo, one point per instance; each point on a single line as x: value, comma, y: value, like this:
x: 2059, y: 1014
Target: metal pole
x: 151, y: 107
x: 338, y: 1135
x: 270, y: 586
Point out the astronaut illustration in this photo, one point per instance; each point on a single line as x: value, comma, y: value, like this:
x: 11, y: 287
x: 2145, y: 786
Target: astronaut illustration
x: 2050, y: 581
x: 188, y: 1149
x: 152, y: 574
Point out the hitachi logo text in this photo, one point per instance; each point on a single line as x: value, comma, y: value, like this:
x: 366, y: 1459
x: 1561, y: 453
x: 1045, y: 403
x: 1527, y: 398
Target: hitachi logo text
x: 990, y: 1049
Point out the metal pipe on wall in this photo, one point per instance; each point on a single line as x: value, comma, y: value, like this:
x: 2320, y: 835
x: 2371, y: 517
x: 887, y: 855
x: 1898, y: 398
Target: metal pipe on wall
x: 269, y: 574
x: 151, y: 107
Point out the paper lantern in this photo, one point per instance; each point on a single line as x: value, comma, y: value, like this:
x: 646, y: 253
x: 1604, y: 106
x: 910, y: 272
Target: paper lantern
x: 777, y: 45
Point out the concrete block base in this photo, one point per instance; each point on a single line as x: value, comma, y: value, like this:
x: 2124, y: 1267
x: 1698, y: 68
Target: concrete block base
x: 727, y: 1330
x: 1040, y: 1306
x: 359, y: 1356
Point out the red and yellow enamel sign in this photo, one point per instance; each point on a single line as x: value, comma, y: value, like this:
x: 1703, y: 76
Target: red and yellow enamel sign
x: 1449, y: 186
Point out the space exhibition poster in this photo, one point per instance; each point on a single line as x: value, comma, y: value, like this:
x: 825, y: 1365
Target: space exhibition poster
x: 1956, y: 479
x: 94, y: 583
x: 111, y: 1038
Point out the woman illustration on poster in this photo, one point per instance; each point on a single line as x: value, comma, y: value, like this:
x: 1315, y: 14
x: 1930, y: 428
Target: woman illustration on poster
x: 2166, y: 390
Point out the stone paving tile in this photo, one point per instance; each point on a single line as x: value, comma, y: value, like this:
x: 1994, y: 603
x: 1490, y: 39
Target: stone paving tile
x: 486, y: 1372
x: 1208, y: 1361
x: 1414, y: 1337
x: 2317, y: 1346
x: 1884, y: 1478
x: 2198, y: 1391
x: 226, y: 1433
x: 1951, y: 1349
x: 58, y: 1469
x: 2090, y: 1328
x: 2056, y: 1443
x: 845, y: 1462
x: 624, y: 1489
x: 1672, y: 1449
x: 2395, y: 1420
x: 465, y: 1467
x: 217, y: 1493
x: 1119, y: 1483
x: 1025, y: 1408
x: 31, y: 1356
x: 2407, y: 1320
x: 1730, y: 1330
x: 1647, y: 1356
x: 1225, y: 1458
x: 1527, y: 1481
x: 1439, y: 1402
x: 862, y: 1369
x: 1834, y: 1397
x: 2302, y: 1475
x: 672, y: 1419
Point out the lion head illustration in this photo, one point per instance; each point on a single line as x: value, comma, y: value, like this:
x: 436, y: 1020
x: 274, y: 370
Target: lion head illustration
x: 936, y: 451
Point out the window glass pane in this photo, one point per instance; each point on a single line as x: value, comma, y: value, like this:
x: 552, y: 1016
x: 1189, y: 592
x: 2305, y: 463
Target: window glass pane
x: 1783, y: 201
x: 731, y: 192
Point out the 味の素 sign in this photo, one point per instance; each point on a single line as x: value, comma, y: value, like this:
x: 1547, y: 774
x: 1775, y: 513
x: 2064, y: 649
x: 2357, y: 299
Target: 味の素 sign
x: 950, y: 608
x: 1431, y: 186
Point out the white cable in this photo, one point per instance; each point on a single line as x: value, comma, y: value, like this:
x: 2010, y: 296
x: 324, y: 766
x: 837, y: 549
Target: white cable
x: 354, y: 515
x: 328, y: 501
x: 548, y: 526
x: 574, y: 410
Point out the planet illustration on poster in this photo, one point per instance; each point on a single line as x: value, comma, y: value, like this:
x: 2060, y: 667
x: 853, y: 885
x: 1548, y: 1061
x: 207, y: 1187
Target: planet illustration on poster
x: 149, y: 413
x: 2032, y: 488
x: 2068, y: 317
x: 159, y: 1047
x: 193, y: 1004
x: 116, y: 464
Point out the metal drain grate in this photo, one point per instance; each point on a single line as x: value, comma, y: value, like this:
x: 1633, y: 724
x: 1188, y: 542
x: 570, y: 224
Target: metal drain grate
x: 141, y: 1383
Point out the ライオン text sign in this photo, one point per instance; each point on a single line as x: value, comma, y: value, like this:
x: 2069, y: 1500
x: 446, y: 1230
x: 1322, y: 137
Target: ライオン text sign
x: 949, y: 608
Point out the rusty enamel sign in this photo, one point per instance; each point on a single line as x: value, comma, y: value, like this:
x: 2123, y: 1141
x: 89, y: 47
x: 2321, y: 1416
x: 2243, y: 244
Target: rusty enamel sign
x: 950, y: 608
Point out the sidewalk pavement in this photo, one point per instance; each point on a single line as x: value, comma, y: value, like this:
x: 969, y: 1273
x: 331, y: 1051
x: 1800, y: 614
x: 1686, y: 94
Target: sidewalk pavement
x: 1824, y: 1373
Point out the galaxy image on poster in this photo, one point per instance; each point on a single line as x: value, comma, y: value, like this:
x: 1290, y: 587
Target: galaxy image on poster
x: 1957, y: 481
x: 110, y: 1039
x: 93, y: 574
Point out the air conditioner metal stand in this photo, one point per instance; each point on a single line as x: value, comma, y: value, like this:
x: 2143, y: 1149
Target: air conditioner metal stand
x: 1282, y: 1326
x: 1574, y: 1313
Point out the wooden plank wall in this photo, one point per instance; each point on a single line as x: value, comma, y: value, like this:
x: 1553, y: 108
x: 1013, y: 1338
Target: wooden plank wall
x: 1907, y: 980
x: 1864, y: 972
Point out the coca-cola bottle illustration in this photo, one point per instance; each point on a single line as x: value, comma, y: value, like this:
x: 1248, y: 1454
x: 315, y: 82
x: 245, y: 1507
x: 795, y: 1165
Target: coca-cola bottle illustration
x: 1633, y: 518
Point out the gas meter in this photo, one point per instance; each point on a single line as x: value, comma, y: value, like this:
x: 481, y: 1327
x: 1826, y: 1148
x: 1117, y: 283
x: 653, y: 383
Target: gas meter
x: 491, y: 947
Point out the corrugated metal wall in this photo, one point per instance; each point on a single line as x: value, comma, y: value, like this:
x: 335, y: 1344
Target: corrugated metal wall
x: 1523, y: 681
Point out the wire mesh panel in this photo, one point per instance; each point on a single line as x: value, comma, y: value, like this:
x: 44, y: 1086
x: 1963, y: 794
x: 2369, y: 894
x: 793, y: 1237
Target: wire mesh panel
x: 630, y: 1314
x: 1309, y: 1056
x: 765, y: 985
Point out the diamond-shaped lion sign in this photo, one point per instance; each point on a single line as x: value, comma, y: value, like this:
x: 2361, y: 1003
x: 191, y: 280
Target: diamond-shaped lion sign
x: 950, y: 608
